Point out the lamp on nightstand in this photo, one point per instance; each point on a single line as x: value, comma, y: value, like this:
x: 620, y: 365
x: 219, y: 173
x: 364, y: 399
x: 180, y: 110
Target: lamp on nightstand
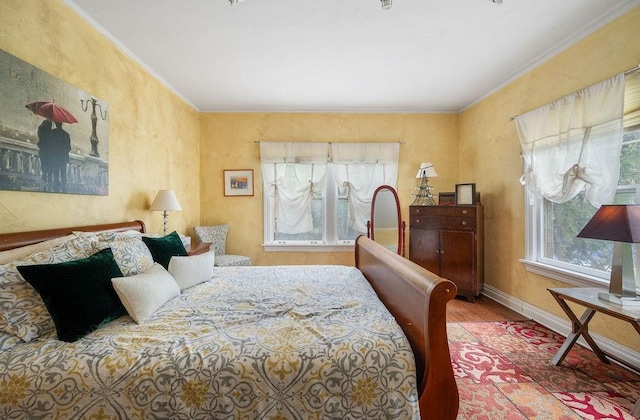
x: 165, y: 201
x: 621, y: 224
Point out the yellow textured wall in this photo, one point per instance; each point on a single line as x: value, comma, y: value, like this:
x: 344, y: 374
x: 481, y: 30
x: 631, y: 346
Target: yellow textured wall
x: 153, y: 134
x: 228, y: 142
x: 490, y: 154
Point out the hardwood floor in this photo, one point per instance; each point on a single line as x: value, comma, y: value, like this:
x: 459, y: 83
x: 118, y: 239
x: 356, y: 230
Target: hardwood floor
x: 483, y: 310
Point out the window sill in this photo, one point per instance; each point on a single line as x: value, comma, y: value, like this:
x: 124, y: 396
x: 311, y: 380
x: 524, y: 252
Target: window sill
x: 565, y: 276
x: 307, y: 248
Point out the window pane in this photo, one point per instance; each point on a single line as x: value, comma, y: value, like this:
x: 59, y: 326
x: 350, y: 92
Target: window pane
x: 562, y: 224
x: 345, y: 233
x: 553, y: 234
x: 630, y: 159
x: 316, y: 233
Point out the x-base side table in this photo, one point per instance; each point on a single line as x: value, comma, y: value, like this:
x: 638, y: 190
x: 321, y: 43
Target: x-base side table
x: 588, y: 297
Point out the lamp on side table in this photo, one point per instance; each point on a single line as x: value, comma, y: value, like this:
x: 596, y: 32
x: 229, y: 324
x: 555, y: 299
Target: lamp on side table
x: 165, y: 201
x: 621, y: 224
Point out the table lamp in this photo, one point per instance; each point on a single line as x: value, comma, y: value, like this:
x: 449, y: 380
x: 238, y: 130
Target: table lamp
x: 165, y: 201
x: 621, y: 224
x: 424, y: 196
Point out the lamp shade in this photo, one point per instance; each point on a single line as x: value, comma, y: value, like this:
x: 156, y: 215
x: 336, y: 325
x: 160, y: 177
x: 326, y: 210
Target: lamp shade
x: 165, y: 201
x: 620, y: 223
x: 426, y: 169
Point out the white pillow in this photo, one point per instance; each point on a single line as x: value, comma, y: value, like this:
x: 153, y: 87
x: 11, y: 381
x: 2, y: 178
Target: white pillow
x: 142, y: 294
x: 189, y: 271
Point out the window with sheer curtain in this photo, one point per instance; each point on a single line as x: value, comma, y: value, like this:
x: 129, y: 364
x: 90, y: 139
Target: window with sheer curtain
x: 580, y: 152
x: 318, y: 195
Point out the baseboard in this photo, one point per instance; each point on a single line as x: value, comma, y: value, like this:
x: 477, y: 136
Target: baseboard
x: 562, y: 326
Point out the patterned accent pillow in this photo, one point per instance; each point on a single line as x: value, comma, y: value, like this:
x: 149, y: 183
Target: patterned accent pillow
x: 21, y: 307
x: 216, y: 235
x: 24, y: 251
x: 129, y: 251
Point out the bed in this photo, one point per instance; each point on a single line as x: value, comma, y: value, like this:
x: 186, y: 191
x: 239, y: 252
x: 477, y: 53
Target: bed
x: 248, y: 342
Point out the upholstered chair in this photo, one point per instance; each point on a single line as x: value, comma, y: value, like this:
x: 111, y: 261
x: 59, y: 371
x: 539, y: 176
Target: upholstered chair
x: 217, y: 236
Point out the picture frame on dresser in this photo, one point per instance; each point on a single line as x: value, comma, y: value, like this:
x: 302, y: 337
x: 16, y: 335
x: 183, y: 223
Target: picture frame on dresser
x: 238, y: 182
x: 465, y: 194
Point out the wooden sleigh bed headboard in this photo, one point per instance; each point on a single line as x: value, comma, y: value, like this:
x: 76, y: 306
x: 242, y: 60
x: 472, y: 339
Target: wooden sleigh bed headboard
x: 18, y: 239
x: 416, y: 297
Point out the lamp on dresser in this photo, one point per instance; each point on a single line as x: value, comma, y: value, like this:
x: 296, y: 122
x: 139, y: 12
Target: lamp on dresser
x: 620, y: 224
x: 165, y: 201
x: 424, y: 196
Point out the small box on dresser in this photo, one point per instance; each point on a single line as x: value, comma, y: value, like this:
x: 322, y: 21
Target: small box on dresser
x: 449, y: 241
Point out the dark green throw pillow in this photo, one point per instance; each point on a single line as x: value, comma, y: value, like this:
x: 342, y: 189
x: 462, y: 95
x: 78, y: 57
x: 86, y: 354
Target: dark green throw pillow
x: 78, y: 294
x: 162, y: 249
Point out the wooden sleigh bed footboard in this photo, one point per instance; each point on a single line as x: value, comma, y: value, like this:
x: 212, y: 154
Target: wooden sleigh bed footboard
x: 417, y: 299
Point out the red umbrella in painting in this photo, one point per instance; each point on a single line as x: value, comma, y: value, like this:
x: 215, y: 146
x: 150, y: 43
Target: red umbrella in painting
x: 51, y: 111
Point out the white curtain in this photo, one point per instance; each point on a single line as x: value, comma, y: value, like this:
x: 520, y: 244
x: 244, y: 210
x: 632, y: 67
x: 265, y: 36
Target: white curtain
x: 360, y: 168
x: 574, y: 143
x: 291, y: 171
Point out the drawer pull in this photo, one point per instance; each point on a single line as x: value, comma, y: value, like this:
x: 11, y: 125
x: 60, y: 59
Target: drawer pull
x: 464, y: 211
x: 464, y: 223
x: 417, y: 220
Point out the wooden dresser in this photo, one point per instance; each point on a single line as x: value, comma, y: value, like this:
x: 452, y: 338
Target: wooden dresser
x: 448, y: 241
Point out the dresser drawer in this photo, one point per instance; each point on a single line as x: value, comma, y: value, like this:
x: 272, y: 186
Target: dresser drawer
x: 457, y: 222
x: 428, y: 222
x: 424, y: 222
x: 442, y: 211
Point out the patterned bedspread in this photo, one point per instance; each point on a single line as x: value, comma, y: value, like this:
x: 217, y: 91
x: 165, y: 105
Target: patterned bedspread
x: 303, y: 342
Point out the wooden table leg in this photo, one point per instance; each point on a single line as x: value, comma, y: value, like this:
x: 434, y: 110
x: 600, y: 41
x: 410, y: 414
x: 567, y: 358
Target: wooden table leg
x: 579, y: 327
x: 635, y: 411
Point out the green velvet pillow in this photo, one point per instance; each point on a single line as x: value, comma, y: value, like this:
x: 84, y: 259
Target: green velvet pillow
x: 78, y: 294
x: 162, y: 249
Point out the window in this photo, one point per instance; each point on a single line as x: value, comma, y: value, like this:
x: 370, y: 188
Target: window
x: 318, y: 195
x: 553, y: 249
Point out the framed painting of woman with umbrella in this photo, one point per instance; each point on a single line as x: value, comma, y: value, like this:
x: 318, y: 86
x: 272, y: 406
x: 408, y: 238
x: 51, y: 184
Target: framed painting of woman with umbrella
x: 53, y: 136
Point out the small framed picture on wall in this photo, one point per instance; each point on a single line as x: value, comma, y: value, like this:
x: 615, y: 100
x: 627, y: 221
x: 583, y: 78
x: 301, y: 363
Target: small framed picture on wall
x: 238, y: 182
x: 465, y: 194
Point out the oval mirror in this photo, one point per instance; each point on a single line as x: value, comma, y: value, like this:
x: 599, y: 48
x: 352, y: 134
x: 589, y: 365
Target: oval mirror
x: 386, y: 226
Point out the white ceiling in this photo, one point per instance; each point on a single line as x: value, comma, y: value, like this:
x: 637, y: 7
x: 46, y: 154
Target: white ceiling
x: 343, y: 55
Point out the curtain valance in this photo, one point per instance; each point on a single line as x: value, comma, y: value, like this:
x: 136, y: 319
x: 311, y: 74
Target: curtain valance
x: 574, y: 144
x: 360, y: 168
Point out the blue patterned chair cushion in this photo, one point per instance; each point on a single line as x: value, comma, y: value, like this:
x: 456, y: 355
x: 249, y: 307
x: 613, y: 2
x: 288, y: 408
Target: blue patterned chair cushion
x: 216, y: 235
x: 231, y: 260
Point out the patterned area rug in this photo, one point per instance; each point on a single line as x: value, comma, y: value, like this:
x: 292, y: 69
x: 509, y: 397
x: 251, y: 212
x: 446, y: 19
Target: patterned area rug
x: 504, y: 371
